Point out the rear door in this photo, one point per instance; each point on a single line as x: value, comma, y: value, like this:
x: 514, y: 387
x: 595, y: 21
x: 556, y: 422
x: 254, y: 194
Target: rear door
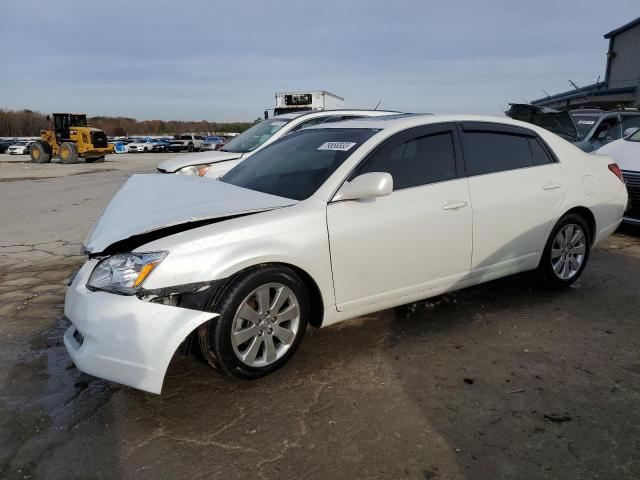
x: 414, y: 240
x: 516, y: 187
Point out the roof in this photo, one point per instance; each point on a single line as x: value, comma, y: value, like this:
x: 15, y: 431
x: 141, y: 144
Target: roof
x: 400, y: 122
x: 621, y: 29
x: 312, y: 92
x: 338, y: 111
x: 594, y: 90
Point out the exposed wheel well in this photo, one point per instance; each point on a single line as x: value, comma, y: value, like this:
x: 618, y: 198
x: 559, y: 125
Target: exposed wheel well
x: 315, y: 297
x: 588, y: 217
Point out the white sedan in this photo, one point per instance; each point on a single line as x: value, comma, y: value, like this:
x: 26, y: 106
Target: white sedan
x: 329, y: 223
x: 626, y: 153
x: 20, y: 148
x: 140, y: 146
x: 214, y: 164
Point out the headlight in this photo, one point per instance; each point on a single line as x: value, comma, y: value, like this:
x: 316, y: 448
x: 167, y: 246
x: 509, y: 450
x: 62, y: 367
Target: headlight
x: 125, y: 272
x: 199, y: 170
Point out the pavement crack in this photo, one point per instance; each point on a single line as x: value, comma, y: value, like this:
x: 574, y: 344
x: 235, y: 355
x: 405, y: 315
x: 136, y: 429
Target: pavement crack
x: 295, y: 442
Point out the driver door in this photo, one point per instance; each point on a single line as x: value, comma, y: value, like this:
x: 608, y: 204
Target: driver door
x: 413, y: 241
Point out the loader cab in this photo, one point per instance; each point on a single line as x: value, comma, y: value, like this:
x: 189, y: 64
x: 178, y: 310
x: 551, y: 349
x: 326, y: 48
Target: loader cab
x: 63, y: 122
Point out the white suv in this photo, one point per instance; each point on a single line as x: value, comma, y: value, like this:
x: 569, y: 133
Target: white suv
x: 217, y: 163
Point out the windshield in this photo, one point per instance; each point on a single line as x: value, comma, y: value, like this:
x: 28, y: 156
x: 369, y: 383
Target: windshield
x: 255, y: 136
x: 635, y: 137
x: 584, y: 123
x: 296, y: 165
x: 20, y: 144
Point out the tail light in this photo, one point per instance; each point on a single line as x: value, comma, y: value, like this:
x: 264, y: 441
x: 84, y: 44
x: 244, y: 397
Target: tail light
x: 616, y: 171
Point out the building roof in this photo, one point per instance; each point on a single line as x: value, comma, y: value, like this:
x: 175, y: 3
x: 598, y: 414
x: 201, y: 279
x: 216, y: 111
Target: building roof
x: 621, y: 29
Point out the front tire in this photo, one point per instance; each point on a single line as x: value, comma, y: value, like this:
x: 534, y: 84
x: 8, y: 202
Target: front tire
x: 263, y: 317
x: 567, y: 251
x: 68, y: 153
x: 190, y: 147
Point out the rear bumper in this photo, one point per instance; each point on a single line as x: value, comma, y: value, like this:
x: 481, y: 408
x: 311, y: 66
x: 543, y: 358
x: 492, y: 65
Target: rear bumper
x: 121, y: 338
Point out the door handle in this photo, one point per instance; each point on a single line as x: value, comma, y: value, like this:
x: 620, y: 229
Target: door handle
x: 454, y: 205
x: 551, y: 186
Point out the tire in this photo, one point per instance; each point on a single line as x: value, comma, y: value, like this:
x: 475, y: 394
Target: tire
x: 68, y: 153
x: 215, y: 336
x: 563, y: 261
x: 146, y: 150
x: 190, y: 147
x: 40, y: 153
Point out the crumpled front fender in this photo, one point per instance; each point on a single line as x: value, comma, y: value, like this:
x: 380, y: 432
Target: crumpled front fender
x: 122, y: 338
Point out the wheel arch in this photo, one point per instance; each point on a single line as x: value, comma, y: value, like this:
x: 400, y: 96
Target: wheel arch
x: 588, y: 216
x: 316, y: 306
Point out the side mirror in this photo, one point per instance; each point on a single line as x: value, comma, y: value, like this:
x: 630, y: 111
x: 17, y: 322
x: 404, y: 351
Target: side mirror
x: 367, y: 185
x: 630, y: 131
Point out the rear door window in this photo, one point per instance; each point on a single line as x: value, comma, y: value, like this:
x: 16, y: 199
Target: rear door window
x: 489, y: 152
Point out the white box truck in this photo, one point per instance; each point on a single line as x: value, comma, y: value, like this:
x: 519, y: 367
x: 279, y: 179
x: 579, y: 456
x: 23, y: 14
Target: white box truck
x: 288, y: 102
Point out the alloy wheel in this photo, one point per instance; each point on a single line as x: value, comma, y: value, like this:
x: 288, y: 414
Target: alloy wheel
x: 568, y: 251
x: 265, y: 325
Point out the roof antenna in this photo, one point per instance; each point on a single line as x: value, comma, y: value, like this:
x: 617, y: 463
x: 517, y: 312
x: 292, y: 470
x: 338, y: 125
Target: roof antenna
x: 545, y: 92
x: 378, y: 104
x: 574, y: 85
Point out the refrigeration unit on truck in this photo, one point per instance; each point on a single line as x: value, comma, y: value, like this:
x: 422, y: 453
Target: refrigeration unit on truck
x: 289, y: 102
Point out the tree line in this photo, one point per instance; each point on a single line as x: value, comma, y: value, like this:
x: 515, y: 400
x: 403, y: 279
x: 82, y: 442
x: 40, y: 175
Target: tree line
x: 27, y: 123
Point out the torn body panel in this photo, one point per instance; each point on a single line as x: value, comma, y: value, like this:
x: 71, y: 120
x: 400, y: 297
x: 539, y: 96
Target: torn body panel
x: 151, y: 202
x: 123, y: 338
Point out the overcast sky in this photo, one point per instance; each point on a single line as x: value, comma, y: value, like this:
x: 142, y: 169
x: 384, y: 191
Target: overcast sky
x: 224, y: 60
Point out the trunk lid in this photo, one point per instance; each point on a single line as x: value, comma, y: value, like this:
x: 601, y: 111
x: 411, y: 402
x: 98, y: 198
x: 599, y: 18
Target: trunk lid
x: 560, y: 123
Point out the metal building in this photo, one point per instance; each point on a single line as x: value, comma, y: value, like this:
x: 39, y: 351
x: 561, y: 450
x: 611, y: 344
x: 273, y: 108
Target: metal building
x: 621, y: 85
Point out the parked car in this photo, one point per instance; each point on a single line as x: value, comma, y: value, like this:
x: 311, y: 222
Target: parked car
x: 4, y: 145
x: 19, y: 148
x: 213, y: 143
x: 161, y: 145
x: 560, y: 123
x: 215, y: 164
x: 186, y: 142
x: 626, y: 153
x: 588, y: 129
x: 141, y: 145
x: 607, y: 127
x: 329, y: 223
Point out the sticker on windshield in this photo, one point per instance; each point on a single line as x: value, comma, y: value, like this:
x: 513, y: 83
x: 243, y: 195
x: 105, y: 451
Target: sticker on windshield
x: 337, y: 146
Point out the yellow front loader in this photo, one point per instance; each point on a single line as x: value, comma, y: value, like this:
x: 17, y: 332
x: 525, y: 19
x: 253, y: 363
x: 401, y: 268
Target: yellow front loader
x: 70, y: 140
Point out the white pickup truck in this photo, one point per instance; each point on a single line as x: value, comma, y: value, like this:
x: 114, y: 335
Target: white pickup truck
x: 186, y: 141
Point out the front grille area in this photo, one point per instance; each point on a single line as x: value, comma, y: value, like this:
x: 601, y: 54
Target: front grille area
x: 632, y: 179
x: 99, y: 139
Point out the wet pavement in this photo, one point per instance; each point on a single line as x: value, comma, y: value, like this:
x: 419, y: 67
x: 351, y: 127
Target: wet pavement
x: 504, y: 380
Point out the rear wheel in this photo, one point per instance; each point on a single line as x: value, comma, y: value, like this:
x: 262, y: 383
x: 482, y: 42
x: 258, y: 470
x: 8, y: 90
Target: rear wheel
x: 566, y: 253
x: 190, y: 147
x: 39, y: 153
x: 263, y: 318
x: 69, y: 153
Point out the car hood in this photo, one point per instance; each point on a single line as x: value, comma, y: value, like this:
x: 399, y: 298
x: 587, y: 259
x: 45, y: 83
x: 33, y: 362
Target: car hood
x: 174, y: 164
x: 560, y: 123
x: 152, y: 202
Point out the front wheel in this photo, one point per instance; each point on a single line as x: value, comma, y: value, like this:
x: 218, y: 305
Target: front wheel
x: 68, y: 153
x: 190, y: 147
x: 263, y: 318
x: 566, y: 253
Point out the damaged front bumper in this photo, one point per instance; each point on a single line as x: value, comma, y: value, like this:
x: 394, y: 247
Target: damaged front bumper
x: 122, y: 338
